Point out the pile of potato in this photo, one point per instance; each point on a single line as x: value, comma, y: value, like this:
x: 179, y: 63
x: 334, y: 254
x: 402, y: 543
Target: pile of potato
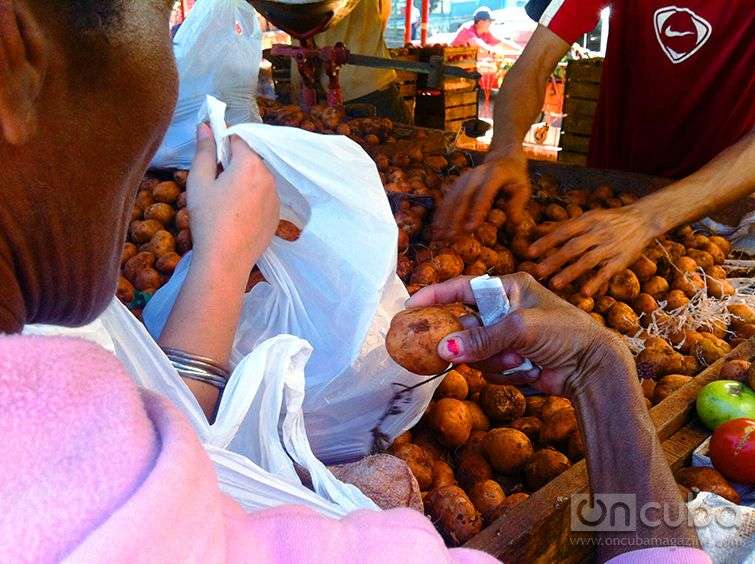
x: 481, y: 448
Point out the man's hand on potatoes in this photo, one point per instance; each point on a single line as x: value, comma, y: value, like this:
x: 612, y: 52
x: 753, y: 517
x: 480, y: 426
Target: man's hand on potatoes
x: 572, y: 349
x: 470, y: 199
x: 609, y: 240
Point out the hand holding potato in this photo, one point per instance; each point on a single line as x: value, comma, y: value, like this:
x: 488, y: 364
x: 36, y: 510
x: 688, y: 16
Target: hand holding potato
x: 467, y: 204
x: 610, y: 240
x: 562, y: 339
x: 234, y: 215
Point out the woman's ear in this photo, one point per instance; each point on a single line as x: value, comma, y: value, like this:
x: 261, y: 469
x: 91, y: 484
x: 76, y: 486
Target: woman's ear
x: 23, y: 64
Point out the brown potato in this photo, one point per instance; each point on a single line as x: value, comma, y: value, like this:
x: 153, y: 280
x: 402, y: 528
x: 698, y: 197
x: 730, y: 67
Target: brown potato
x: 582, y: 302
x: 409, y: 222
x: 487, y: 234
x: 707, y: 480
x: 599, y: 319
x: 544, y: 465
x: 715, y: 252
x: 624, y: 286
x: 668, y: 385
x: 138, y: 262
x: 162, y: 243
x: 144, y: 199
x: 129, y: 250
x: 716, y: 271
x: 604, y: 192
x: 720, y: 288
x: 557, y: 427
x: 428, y: 439
x: 183, y: 241
x: 166, y: 192
x: 556, y: 212
x: 655, y: 362
x: 735, y: 370
x: 181, y: 176
x: 404, y: 267
x: 535, y: 405
x: 622, y: 318
x: 468, y: 248
x: 644, y: 268
x: 627, y: 198
x: 645, y: 303
x: 507, y: 505
x: 604, y: 303
x: 689, y: 282
x: 182, y: 200
x: 182, y: 219
x: 413, y: 337
x: 474, y: 378
x: 676, y: 299
x: 502, y: 402
x: 167, y: 263
x: 443, y: 475
x: 486, y: 495
x: 614, y: 203
x: 403, y: 439
x: 448, y: 265
x: 723, y: 244
x: 553, y: 404
x: 508, y: 450
x: 142, y: 231
x: 489, y: 257
x: 419, y: 462
x: 530, y: 426
x: 287, y: 231
x: 577, y: 197
x: 703, y: 258
x: 657, y: 286
x: 424, y: 274
x: 453, y: 514
x: 453, y: 385
x: 711, y: 348
x: 137, y: 213
x: 453, y: 422
x: 477, y: 268
x: 574, y: 210
x: 497, y: 217
x: 472, y: 467
x: 742, y: 314
x: 480, y: 421
x: 125, y: 291
x: 147, y: 280
x: 164, y: 213
x: 520, y: 246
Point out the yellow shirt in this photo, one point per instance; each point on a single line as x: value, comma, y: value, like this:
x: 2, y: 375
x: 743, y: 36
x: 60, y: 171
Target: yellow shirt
x: 362, y: 34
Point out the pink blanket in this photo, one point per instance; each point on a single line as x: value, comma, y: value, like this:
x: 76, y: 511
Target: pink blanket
x: 94, y: 470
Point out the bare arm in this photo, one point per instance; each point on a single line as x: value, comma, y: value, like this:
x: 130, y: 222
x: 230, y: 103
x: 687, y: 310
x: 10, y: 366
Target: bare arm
x: 519, y: 102
x: 615, y: 238
x: 522, y: 92
x: 226, y: 247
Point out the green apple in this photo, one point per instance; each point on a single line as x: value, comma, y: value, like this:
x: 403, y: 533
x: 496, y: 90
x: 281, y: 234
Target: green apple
x: 723, y: 400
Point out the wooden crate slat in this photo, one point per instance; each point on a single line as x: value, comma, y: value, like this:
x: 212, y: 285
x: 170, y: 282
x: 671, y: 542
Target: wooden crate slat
x: 577, y: 124
x: 579, y: 107
x: 575, y: 143
x: 460, y: 98
x: 567, y: 157
x: 459, y: 112
x: 585, y: 90
x: 585, y: 70
x: 407, y: 90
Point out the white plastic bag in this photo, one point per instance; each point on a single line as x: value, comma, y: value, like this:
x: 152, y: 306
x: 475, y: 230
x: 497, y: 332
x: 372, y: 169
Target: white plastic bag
x: 335, y: 286
x: 218, y: 50
x: 265, y: 389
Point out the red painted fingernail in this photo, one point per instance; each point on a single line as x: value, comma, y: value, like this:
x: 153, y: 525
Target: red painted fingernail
x: 453, y: 347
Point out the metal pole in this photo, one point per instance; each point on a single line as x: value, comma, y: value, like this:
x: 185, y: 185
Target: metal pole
x: 408, y: 22
x: 425, y: 19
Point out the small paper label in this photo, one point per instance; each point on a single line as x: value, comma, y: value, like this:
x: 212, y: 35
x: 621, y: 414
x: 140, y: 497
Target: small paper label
x: 493, y: 305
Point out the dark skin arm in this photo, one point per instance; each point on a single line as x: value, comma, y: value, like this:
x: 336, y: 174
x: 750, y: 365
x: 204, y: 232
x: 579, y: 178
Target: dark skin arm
x: 611, y: 240
x: 591, y: 366
x: 517, y: 106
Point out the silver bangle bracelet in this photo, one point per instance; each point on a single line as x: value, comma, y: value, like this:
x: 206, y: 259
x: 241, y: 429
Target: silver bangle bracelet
x: 199, y: 368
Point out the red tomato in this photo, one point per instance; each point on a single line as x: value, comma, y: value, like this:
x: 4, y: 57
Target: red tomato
x: 732, y: 450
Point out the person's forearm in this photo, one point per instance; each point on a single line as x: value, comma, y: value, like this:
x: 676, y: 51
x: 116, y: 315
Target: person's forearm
x: 205, y: 316
x: 517, y: 106
x: 624, y: 456
x: 727, y: 178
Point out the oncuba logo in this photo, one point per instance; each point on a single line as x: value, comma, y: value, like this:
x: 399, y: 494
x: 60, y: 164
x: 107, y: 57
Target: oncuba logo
x: 680, y: 32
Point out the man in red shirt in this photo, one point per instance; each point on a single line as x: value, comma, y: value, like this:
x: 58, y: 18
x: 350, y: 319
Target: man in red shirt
x: 677, y: 100
x: 478, y: 34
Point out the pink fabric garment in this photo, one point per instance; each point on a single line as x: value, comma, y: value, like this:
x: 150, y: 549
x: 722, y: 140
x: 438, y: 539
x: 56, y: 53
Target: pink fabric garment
x: 662, y: 555
x: 93, y: 470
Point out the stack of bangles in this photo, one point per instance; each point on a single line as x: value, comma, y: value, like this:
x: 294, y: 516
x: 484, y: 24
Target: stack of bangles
x: 199, y: 368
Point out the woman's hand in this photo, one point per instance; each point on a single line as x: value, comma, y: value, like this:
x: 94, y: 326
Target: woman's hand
x: 469, y: 201
x: 233, y: 215
x: 572, y: 349
x: 609, y: 239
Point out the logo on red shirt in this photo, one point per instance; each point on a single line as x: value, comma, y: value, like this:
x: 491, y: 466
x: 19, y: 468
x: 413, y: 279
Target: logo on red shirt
x: 680, y: 32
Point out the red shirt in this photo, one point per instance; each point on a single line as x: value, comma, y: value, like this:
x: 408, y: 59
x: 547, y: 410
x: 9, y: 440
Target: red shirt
x: 467, y: 35
x: 678, y: 83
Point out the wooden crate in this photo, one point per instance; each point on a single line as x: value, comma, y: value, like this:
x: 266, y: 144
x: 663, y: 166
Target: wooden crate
x: 446, y: 110
x: 406, y: 81
x: 463, y: 57
x: 580, y: 103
